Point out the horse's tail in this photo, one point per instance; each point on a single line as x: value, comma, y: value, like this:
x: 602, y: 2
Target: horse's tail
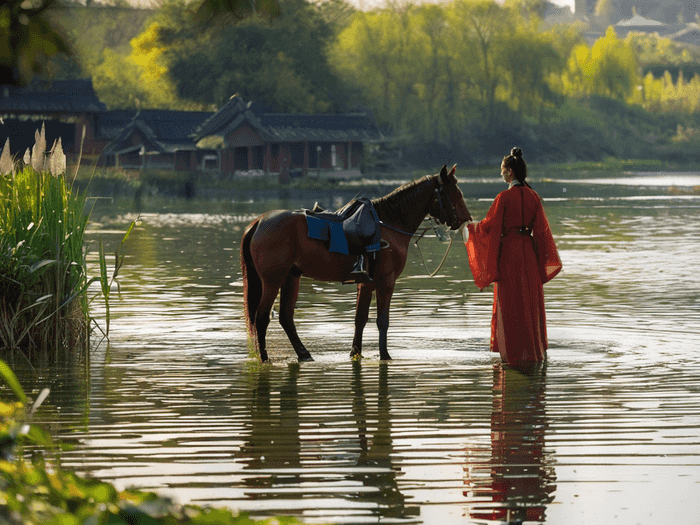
x: 252, y: 284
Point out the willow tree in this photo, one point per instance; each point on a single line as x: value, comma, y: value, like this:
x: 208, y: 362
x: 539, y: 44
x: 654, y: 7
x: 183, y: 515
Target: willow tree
x: 384, y: 54
x: 530, y: 61
x: 608, y: 68
x: 485, y: 23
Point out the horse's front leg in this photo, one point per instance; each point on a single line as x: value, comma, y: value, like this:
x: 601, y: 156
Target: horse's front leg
x: 364, y: 298
x: 384, y: 294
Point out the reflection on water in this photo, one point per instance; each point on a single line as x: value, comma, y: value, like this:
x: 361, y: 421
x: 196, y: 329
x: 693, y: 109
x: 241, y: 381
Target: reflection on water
x: 442, y: 434
x: 516, y: 482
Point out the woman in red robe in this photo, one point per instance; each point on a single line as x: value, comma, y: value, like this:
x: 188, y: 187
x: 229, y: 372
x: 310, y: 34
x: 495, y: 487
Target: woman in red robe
x: 514, y: 249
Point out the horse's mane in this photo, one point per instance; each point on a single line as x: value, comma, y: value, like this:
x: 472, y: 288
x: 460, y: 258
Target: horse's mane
x: 403, y: 202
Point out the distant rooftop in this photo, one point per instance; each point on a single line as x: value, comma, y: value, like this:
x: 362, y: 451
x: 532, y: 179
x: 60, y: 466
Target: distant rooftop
x: 639, y: 21
x: 290, y: 127
x: 58, y: 96
x: 168, y: 131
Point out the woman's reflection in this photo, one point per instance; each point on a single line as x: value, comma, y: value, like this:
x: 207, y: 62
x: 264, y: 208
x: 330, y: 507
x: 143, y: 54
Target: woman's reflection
x: 517, y: 481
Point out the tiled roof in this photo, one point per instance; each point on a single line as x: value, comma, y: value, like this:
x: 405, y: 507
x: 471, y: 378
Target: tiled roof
x: 638, y: 21
x: 290, y: 127
x: 293, y: 128
x: 167, y: 131
x: 223, y: 117
x: 110, y: 124
x: 58, y: 96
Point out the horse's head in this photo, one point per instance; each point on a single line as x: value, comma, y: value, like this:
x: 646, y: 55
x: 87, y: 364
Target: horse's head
x: 448, y: 206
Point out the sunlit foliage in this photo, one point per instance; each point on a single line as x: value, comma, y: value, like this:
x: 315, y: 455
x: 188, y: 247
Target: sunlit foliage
x: 608, y: 68
x: 140, y: 79
x: 426, y: 70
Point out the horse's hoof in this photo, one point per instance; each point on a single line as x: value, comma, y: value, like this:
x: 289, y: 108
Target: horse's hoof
x: 386, y: 357
x: 306, y: 358
x: 356, y: 353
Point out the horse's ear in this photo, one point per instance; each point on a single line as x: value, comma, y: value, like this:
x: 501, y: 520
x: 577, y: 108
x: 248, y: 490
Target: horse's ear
x: 443, y: 174
x: 453, y: 170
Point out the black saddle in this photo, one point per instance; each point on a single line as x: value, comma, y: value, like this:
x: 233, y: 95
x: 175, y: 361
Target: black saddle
x: 353, y: 230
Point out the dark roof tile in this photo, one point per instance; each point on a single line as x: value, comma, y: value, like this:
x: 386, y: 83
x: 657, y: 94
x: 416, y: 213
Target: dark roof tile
x: 58, y: 96
x: 290, y: 127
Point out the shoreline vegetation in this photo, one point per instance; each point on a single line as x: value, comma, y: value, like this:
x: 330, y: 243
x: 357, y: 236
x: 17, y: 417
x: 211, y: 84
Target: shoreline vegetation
x: 44, y: 286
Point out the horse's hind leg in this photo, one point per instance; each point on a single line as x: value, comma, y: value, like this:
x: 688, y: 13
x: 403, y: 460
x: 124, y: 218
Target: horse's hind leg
x: 262, y: 316
x: 288, y: 300
x: 364, y: 298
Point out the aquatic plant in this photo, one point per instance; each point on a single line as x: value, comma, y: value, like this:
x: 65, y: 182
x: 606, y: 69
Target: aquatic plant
x: 43, y: 274
x: 39, y: 491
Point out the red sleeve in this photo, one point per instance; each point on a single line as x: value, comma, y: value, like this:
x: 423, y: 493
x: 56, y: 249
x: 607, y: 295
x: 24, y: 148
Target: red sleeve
x: 484, y: 242
x: 547, y: 254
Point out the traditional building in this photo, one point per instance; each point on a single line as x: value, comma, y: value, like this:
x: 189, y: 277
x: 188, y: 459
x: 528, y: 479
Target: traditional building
x: 157, y: 139
x: 252, y: 142
x: 640, y: 24
x: 67, y: 107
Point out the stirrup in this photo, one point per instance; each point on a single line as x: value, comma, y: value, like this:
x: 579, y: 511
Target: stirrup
x: 358, y: 271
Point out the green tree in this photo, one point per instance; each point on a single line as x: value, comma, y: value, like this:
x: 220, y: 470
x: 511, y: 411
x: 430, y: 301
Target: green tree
x: 140, y: 79
x: 531, y: 60
x: 608, y: 68
x: 612, y: 69
x: 385, y: 53
x: 282, y: 64
x: 27, y: 40
x: 485, y: 23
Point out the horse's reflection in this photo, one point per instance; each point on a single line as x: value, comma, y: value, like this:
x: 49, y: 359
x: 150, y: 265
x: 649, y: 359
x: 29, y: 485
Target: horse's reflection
x: 517, y: 481
x: 283, y: 447
x: 274, y: 441
x: 376, y: 470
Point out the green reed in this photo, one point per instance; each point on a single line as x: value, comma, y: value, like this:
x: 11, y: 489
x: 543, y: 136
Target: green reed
x: 43, y: 307
x: 44, y: 304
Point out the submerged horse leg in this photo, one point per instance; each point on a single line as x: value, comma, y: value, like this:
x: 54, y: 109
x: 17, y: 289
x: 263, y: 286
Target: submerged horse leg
x: 384, y: 294
x: 364, y: 298
x: 288, y: 300
x: 262, y: 316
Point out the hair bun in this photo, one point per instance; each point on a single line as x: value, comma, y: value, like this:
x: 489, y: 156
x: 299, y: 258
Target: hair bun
x: 517, y: 152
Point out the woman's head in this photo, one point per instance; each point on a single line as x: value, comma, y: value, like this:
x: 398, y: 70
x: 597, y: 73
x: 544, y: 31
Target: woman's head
x: 516, y: 164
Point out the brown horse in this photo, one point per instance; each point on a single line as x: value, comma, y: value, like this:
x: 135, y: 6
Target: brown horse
x: 276, y: 251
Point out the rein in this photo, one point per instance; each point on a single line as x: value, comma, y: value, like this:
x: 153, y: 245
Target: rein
x: 444, y: 257
x: 420, y: 236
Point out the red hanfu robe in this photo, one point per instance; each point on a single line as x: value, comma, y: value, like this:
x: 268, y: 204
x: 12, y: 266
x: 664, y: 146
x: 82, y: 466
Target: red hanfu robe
x: 518, y: 264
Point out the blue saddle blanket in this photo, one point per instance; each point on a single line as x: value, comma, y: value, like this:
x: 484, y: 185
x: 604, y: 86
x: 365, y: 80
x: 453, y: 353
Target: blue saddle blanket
x: 331, y: 231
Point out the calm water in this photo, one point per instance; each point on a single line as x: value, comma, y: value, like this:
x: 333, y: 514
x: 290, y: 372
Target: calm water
x: 608, y: 432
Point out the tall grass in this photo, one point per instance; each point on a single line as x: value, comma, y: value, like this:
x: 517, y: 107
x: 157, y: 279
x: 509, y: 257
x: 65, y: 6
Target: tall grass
x: 43, y: 275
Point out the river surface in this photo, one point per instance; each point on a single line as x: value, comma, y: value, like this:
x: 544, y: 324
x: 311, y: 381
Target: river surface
x: 607, y: 432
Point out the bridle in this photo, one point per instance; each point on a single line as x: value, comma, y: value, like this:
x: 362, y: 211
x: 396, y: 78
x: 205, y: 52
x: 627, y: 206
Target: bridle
x: 447, y: 214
